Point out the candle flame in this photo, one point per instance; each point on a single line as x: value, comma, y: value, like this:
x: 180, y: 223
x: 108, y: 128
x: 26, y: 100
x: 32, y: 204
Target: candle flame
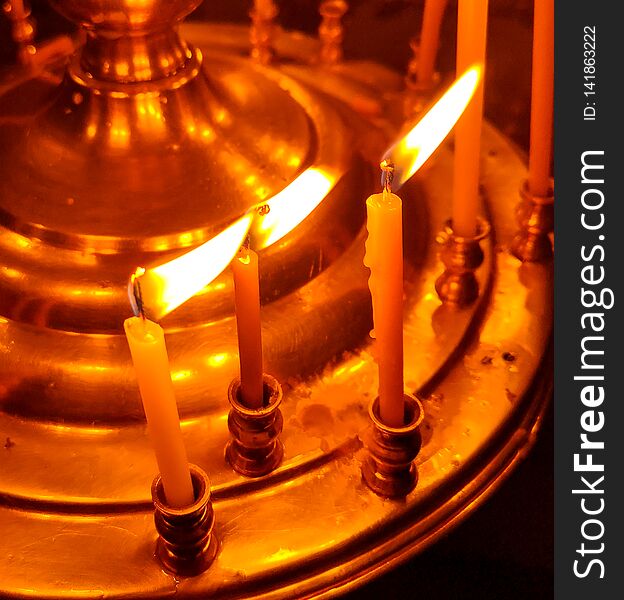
x: 291, y: 206
x: 167, y: 286
x: 413, y: 150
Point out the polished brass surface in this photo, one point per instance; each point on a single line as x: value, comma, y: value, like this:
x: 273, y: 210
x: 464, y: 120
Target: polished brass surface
x: 536, y: 217
x: 77, y: 467
x: 461, y: 256
x: 255, y: 448
x: 186, y: 545
x: 389, y: 468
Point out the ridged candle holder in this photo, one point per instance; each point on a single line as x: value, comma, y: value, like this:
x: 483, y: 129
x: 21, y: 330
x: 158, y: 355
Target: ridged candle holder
x: 536, y: 217
x: 389, y: 468
x: 261, y: 34
x: 255, y: 448
x: 186, y: 545
x: 331, y: 31
x: 461, y: 256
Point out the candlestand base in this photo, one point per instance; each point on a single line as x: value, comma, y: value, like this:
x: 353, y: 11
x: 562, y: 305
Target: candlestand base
x: 255, y: 448
x: 389, y: 468
x: 536, y: 217
x: 461, y: 256
x: 186, y: 545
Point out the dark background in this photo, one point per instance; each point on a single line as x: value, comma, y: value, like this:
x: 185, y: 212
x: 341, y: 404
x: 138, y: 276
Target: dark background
x: 504, y: 550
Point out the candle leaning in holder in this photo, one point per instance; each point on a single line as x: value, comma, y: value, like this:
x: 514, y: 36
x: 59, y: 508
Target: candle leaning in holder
x: 384, y: 257
x: 151, y: 364
x: 261, y: 33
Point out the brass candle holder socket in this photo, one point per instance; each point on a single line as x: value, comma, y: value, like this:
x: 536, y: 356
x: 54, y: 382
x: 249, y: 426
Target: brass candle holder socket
x: 536, y: 217
x: 418, y: 93
x: 186, y: 545
x: 461, y: 256
x: 331, y: 31
x: 389, y: 468
x: 261, y: 34
x: 255, y: 448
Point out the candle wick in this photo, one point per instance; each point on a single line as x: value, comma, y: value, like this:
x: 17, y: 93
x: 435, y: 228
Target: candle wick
x: 243, y: 253
x: 387, y: 176
x: 135, y: 294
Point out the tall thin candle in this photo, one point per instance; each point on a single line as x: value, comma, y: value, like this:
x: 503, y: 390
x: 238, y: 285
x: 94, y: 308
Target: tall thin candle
x: 264, y: 7
x: 384, y: 257
x: 151, y: 364
x: 471, y: 44
x: 247, y: 300
x: 429, y: 39
x: 540, y: 152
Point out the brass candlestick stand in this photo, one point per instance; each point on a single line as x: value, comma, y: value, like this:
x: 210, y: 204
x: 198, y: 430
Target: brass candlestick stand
x: 536, y: 217
x: 331, y: 31
x: 461, y: 257
x: 186, y: 544
x: 389, y: 468
x: 255, y: 448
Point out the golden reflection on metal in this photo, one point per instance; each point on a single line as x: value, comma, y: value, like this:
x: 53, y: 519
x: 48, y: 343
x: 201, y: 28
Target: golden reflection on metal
x: 413, y: 150
x: 91, y: 212
x: 462, y: 256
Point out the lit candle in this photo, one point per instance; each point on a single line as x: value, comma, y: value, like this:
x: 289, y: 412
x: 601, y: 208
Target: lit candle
x: 149, y: 355
x: 471, y: 42
x: 384, y: 258
x: 542, y: 97
x: 429, y: 39
x: 247, y: 300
